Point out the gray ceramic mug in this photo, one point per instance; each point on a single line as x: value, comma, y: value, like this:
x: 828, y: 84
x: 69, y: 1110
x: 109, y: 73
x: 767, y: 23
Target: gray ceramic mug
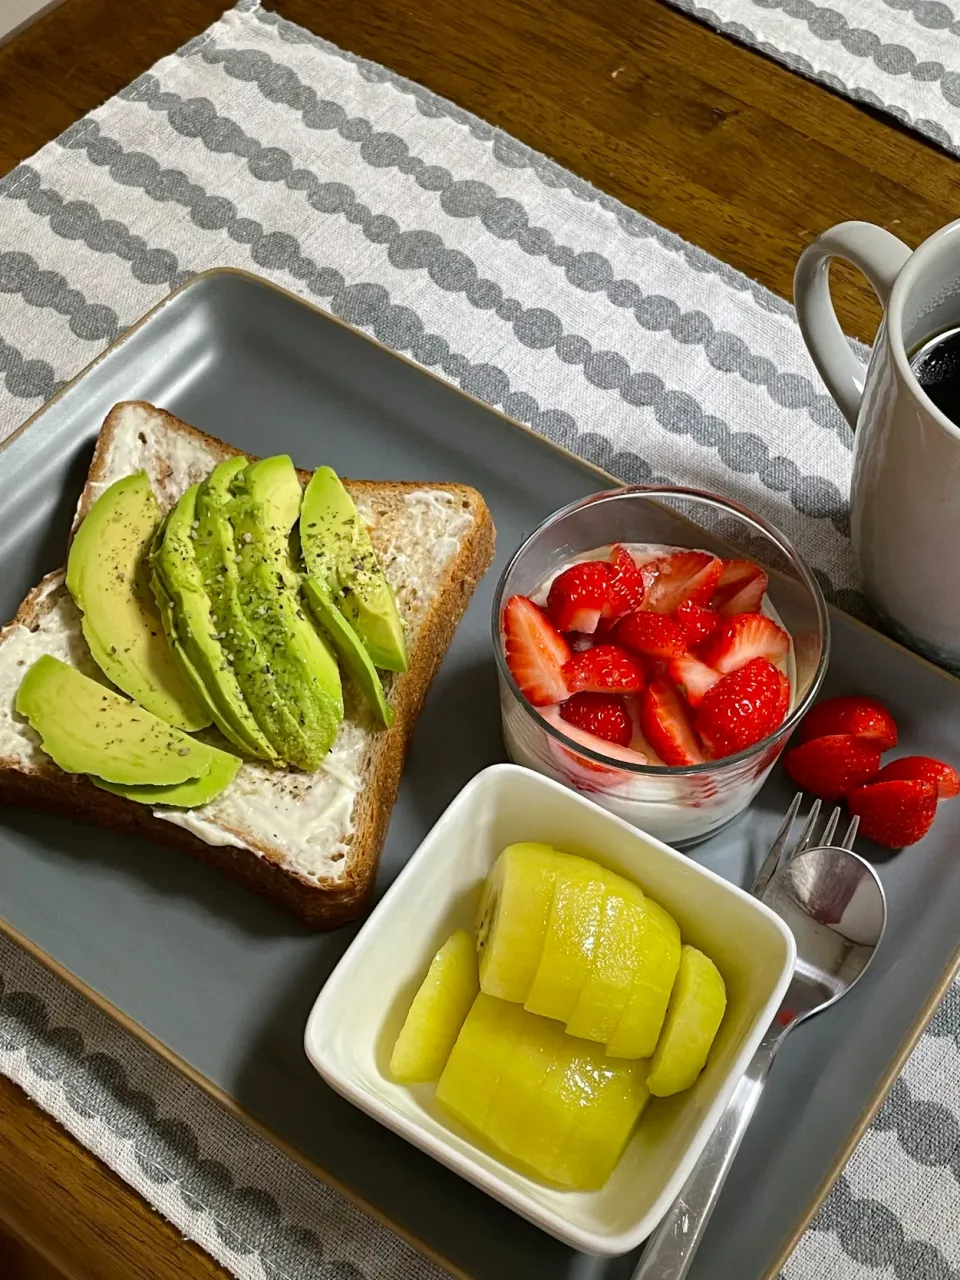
x: 905, y: 499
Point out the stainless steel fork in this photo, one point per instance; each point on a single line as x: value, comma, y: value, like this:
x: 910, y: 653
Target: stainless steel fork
x: 669, y: 1252
x: 807, y: 839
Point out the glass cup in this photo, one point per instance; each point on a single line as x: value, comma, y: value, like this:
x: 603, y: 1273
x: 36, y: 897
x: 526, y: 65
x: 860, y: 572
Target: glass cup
x: 680, y: 805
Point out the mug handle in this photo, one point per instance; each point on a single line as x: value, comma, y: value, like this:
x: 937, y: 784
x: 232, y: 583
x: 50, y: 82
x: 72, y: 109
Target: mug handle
x: 880, y: 256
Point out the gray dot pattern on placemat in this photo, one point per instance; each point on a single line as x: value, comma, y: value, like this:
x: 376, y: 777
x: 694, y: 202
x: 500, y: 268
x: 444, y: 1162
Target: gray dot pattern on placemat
x: 369, y: 305
x: 168, y: 1152
x: 676, y: 411
x: 504, y: 218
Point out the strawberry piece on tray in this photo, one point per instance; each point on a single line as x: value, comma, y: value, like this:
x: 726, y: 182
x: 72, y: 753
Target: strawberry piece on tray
x: 895, y: 813
x: 943, y: 777
x: 606, y: 668
x: 536, y: 652
x: 653, y: 634
x: 665, y: 723
x: 833, y: 766
x: 743, y: 708
x: 860, y: 716
x: 740, y: 589
x: 578, y: 596
x: 682, y: 575
x: 743, y: 637
x: 693, y: 677
x: 602, y: 714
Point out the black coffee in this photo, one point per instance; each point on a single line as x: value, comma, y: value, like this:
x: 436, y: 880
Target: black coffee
x: 936, y: 365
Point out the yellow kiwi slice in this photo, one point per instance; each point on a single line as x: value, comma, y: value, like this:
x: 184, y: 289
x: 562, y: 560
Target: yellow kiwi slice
x: 696, y: 1010
x: 512, y: 918
x: 468, y: 1081
x: 437, y: 1012
x: 638, y: 1029
x: 571, y: 935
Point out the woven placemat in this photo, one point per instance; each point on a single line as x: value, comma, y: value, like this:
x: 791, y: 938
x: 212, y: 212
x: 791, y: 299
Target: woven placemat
x: 259, y: 145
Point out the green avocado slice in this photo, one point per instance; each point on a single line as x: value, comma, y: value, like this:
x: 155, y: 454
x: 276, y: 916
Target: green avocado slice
x: 108, y: 578
x: 263, y: 511
x: 187, y: 614
x: 341, y: 559
x: 350, y: 649
x: 167, y: 617
x: 217, y: 560
x: 185, y: 795
x: 87, y: 728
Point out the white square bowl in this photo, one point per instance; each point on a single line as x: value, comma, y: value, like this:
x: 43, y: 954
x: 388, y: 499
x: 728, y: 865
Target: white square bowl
x: 357, y: 1016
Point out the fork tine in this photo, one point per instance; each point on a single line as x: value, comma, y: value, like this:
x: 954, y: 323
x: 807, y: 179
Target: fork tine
x: 830, y: 829
x: 772, y: 860
x: 848, y: 839
x: 806, y: 835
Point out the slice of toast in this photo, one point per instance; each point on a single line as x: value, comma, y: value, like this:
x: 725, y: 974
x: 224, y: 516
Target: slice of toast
x: 308, y: 841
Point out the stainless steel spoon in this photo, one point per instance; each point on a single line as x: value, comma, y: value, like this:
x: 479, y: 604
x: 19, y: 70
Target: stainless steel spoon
x: 834, y: 903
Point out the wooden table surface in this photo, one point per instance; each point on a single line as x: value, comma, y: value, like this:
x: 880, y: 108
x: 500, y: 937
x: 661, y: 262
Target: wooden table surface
x: 710, y: 139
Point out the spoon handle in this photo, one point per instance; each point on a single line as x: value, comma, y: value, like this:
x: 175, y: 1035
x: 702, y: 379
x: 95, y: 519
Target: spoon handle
x: 669, y: 1252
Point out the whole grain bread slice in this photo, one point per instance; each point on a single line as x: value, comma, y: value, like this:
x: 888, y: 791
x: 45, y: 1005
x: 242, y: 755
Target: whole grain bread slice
x: 436, y: 542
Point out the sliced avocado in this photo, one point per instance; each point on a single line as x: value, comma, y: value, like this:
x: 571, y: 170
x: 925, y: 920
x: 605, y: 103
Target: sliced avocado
x: 186, y: 610
x: 263, y: 511
x: 108, y: 578
x: 87, y: 728
x: 216, y: 558
x: 185, y: 795
x: 340, y: 558
x: 348, y: 645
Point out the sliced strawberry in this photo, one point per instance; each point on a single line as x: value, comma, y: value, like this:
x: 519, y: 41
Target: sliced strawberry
x: 581, y: 772
x: 682, y: 575
x: 665, y: 723
x: 627, y: 587
x: 536, y: 652
x: 863, y: 717
x: 833, y: 766
x: 943, y: 777
x: 743, y: 708
x: 652, y: 634
x: 693, y: 677
x: 698, y: 622
x: 745, y: 636
x: 740, y: 589
x: 895, y: 813
x: 602, y: 714
x: 606, y: 668
x: 578, y: 596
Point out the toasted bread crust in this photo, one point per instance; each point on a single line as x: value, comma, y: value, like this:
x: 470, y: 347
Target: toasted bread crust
x: 320, y: 904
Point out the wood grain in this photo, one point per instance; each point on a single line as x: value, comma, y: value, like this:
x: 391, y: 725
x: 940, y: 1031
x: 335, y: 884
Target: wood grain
x: 733, y: 152
x: 64, y: 1214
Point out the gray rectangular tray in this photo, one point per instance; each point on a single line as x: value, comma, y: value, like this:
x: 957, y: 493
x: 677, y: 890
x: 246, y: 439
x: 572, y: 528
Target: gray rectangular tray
x: 222, y: 983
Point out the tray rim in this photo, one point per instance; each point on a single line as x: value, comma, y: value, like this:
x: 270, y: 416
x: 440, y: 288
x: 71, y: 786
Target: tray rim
x: 213, y: 1090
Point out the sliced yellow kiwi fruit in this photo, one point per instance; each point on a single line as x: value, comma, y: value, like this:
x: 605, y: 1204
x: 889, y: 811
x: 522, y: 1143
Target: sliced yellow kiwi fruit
x: 437, y: 1012
x: 514, y: 1122
x: 696, y: 1010
x: 571, y: 937
x: 512, y: 918
x: 616, y: 957
x: 605, y: 1115
x: 658, y: 959
x: 472, y: 1073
